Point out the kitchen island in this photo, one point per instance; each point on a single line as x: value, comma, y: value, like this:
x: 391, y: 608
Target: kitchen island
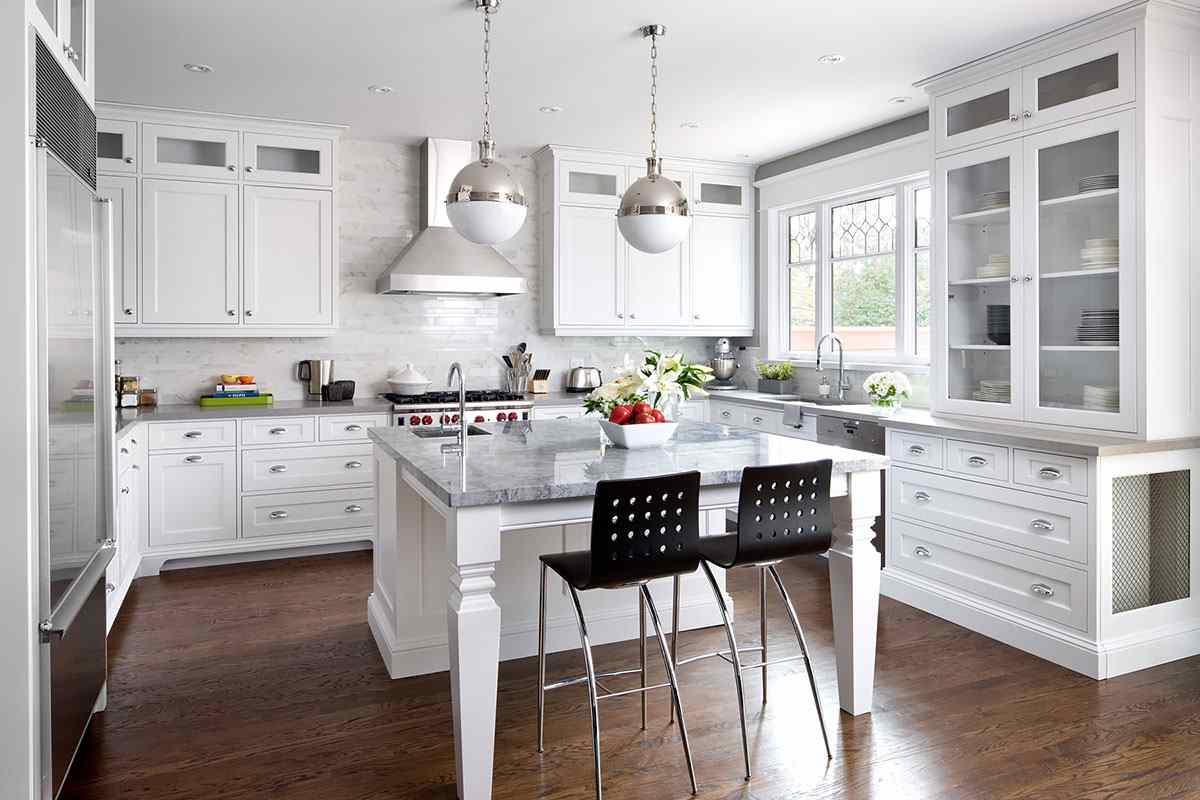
x: 526, y: 488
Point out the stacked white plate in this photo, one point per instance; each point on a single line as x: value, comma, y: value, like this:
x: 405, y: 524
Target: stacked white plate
x: 990, y: 200
x: 1099, y: 326
x: 1101, y: 398
x: 993, y: 391
x: 1100, y: 254
x: 1094, y: 183
x: 997, y: 266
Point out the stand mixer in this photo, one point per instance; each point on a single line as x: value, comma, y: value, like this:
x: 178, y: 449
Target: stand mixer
x: 724, y: 365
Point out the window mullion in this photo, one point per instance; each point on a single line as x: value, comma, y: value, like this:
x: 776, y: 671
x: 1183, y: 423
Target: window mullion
x: 905, y: 272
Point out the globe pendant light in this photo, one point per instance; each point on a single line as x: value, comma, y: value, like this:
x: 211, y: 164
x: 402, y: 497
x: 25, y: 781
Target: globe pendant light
x: 653, y: 216
x: 486, y: 204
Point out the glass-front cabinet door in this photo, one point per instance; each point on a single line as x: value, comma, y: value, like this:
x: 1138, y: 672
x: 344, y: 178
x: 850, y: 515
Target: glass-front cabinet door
x: 1080, y: 81
x: 979, y: 112
x: 1079, y: 274
x: 977, y: 196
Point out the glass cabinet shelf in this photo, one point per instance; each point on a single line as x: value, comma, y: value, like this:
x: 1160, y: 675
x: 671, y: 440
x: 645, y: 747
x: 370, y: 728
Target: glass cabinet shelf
x: 991, y: 215
x: 1081, y: 197
x: 980, y: 281
x: 1080, y: 273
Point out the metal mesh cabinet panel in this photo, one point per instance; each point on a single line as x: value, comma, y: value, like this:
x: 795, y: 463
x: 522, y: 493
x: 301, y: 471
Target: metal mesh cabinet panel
x: 1151, y: 539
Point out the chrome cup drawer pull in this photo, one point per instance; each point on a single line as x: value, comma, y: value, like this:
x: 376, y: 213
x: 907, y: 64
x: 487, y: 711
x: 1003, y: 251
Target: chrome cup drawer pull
x: 353, y: 428
x: 124, y: 451
x: 1049, y: 474
x: 916, y: 450
x: 921, y: 552
x: 758, y: 420
x: 194, y: 459
x: 353, y: 509
x: 977, y: 461
x: 354, y: 465
x: 1042, y: 525
x: 124, y: 490
x: 277, y: 431
x: 193, y: 435
x: 1042, y: 590
x: 278, y: 515
x: 277, y: 468
x: 921, y: 497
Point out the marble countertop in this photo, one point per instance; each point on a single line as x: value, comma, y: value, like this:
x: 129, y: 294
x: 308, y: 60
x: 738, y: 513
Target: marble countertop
x: 553, y: 459
x: 281, y: 408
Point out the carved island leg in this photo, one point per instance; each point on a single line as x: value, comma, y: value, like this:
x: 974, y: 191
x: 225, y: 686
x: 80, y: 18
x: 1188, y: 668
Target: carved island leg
x: 473, y: 625
x: 854, y: 568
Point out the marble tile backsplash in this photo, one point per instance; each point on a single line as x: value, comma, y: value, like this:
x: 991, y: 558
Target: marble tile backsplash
x: 378, y: 201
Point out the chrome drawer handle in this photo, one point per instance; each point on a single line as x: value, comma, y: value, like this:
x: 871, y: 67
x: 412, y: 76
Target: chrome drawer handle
x: 353, y: 428
x: 277, y: 468
x: 278, y: 515
x: 977, y: 461
x: 921, y: 552
x: 921, y: 497
x: 124, y: 451
x: 108, y: 587
x: 1042, y: 525
x: 725, y: 414
x: 1042, y: 590
x: 124, y: 490
x: 1049, y: 474
x: 353, y: 465
x: 193, y: 434
x: 277, y: 431
x: 353, y: 509
x: 194, y: 459
x: 758, y: 420
x: 916, y: 450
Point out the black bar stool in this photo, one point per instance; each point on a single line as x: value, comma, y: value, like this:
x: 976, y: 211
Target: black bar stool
x: 642, y: 529
x: 783, y: 511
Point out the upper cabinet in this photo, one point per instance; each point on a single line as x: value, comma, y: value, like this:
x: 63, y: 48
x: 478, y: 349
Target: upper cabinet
x: 595, y: 284
x: 1063, y: 286
x: 68, y: 29
x: 232, y: 232
x: 1082, y: 80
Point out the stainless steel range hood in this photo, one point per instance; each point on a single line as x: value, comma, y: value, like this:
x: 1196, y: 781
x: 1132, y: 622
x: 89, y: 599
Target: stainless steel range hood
x: 438, y: 261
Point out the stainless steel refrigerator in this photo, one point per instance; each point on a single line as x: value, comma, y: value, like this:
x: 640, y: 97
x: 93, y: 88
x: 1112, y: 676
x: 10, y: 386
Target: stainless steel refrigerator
x: 75, y: 423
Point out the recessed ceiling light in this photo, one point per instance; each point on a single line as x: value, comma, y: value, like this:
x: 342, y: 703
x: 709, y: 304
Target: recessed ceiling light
x: 831, y: 58
x: 899, y: 99
x: 201, y: 68
x: 743, y: 155
x: 690, y: 124
x: 376, y: 88
x: 550, y: 109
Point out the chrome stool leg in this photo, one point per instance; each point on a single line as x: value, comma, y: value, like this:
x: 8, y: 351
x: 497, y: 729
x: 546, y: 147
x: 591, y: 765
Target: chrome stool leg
x: 541, y: 720
x: 666, y: 657
x: 591, y: 684
x: 762, y: 626
x: 734, y: 659
x: 791, y: 611
x: 674, y: 630
x: 642, y: 651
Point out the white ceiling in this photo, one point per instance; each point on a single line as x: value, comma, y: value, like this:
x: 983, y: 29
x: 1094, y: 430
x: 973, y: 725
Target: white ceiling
x: 747, y: 71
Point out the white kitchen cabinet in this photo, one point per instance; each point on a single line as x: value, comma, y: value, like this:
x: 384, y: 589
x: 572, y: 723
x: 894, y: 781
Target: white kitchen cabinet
x: 121, y: 192
x: 190, y: 263
x: 986, y: 110
x: 574, y: 411
x: 67, y: 28
x: 193, y: 497
x: 184, y: 151
x: 322, y: 467
x: 348, y: 428
x: 287, y: 267
x: 593, y: 184
x: 271, y: 431
x: 722, y: 275
x: 592, y: 280
x: 656, y: 287
x: 272, y: 158
x: 721, y: 194
x: 116, y: 145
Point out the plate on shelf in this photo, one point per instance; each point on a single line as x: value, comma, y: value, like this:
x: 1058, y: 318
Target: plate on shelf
x: 1095, y: 183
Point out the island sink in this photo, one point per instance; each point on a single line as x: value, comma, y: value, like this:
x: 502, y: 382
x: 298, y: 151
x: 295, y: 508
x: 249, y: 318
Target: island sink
x: 446, y: 433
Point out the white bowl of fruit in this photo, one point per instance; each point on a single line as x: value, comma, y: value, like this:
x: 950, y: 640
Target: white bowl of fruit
x: 637, y: 426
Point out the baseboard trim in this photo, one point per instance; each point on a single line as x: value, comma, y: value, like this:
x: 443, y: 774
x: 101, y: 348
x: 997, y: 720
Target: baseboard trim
x: 246, y: 551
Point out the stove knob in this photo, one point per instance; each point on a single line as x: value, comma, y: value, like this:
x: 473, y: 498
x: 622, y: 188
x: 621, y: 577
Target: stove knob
x: 444, y: 419
x: 454, y: 418
x: 428, y: 420
x: 414, y: 420
x: 512, y: 416
x: 479, y: 418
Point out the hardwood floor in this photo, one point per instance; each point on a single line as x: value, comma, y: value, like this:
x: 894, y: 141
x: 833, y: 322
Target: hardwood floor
x: 262, y: 681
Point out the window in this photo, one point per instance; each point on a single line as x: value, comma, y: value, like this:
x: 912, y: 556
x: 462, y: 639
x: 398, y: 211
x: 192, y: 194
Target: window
x: 858, y: 267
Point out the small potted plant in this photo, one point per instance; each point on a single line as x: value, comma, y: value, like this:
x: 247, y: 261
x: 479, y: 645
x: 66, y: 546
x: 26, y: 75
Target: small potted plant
x: 775, y: 377
x: 640, y: 405
x: 887, y: 391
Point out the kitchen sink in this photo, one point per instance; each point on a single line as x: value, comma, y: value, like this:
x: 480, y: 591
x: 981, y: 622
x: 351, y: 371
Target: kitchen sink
x: 447, y: 433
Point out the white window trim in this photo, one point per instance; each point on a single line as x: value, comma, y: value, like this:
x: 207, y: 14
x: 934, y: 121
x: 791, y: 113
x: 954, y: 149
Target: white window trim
x: 777, y: 284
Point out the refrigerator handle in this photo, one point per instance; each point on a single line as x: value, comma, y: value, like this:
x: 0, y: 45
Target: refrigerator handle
x: 71, y: 603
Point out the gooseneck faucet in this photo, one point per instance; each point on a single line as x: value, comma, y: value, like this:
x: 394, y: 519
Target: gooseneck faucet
x: 843, y: 384
x: 461, y: 446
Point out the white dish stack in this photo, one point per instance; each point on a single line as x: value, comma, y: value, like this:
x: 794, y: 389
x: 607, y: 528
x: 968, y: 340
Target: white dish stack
x: 1100, y: 254
x: 1102, y: 398
x: 1099, y: 327
x: 997, y: 266
x: 1095, y: 183
x: 993, y: 390
x: 990, y: 201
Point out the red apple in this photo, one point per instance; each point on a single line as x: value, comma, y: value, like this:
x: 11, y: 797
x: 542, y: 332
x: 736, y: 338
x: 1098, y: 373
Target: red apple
x: 621, y: 415
x: 644, y: 419
x: 641, y: 408
x: 658, y: 415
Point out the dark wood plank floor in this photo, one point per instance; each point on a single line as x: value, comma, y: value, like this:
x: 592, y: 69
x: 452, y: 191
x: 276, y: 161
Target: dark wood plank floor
x: 262, y: 681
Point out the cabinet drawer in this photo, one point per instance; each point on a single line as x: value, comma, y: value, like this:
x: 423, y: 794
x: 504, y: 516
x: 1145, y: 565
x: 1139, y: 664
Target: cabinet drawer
x: 760, y: 419
x: 724, y: 413
x: 307, y: 512
x: 292, y: 430
x: 1048, y: 471
x: 1021, y: 582
x: 977, y: 460
x: 307, y: 467
x: 557, y: 412
x: 193, y: 435
x: 915, y: 448
x: 1035, y: 522
x: 348, y: 429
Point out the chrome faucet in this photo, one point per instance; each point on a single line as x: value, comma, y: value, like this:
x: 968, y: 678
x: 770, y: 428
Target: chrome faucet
x: 843, y: 384
x: 461, y: 445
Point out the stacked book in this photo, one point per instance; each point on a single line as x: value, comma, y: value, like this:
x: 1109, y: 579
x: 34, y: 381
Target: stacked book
x: 236, y: 390
x: 237, y: 394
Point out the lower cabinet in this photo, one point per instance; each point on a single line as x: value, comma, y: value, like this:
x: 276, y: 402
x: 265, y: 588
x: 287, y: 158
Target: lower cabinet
x: 767, y: 420
x: 305, y: 512
x: 193, y: 497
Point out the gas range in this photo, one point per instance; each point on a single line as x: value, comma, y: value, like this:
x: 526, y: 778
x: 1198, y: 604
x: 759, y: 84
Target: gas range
x: 441, y: 408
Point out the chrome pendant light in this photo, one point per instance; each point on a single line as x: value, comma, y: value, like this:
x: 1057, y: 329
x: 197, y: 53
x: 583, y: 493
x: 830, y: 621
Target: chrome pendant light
x: 486, y: 204
x: 653, y: 216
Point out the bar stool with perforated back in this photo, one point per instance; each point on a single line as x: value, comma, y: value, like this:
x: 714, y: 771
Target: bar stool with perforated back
x: 642, y: 529
x: 783, y: 511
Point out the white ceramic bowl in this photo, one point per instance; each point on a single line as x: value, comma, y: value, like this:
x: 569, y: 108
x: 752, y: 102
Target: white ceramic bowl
x: 638, y: 437
x: 404, y: 387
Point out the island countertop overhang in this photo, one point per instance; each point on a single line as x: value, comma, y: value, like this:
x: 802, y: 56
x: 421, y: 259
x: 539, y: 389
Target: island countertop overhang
x: 522, y: 462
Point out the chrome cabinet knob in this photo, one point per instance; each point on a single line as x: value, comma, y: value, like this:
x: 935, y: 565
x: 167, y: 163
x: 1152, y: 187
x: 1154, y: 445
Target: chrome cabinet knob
x: 1049, y: 474
x: 1041, y: 524
x: 1028, y: 114
x: 278, y: 515
x: 249, y: 313
x: 231, y: 313
x: 921, y: 552
x: 1014, y: 279
x: 1013, y: 118
x: 353, y: 508
x: 758, y: 420
x: 620, y: 315
x: 1028, y: 278
x: 633, y: 316
x: 128, y: 159
x: 277, y: 468
x: 1042, y: 590
x: 124, y: 451
x: 129, y: 312
x: 249, y: 169
x: 108, y: 587
x: 232, y: 167
x: 124, y: 490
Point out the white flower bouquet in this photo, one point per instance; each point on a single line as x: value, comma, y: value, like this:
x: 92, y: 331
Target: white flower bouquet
x: 888, y: 390
x: 658, y: 384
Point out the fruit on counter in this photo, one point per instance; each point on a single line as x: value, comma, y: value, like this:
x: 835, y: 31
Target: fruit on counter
x: 644, y: 419
x: 641, y: 408
x: 621, y: 415
x: 245, y: 379
x: 230, y: 378
x: 658, y: 415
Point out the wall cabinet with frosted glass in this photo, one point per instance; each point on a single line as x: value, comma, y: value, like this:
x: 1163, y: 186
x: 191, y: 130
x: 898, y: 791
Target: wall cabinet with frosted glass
x: 595, y: 284
x: 1062, y: 266
x: 68, y: 29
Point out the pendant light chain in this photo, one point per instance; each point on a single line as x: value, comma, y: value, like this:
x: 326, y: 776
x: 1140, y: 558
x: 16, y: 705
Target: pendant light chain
x: 654, y: 96
x: 487, y: 75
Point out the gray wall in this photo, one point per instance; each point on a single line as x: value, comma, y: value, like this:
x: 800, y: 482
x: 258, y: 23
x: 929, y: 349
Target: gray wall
x: 863, y: 140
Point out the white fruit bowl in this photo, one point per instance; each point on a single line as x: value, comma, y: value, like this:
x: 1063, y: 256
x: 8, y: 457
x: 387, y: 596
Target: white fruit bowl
x: 638, y: 437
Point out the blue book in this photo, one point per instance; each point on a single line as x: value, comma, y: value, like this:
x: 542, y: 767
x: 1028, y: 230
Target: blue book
x: 235, y: 394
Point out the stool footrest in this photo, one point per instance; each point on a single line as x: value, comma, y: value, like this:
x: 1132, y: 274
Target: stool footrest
x: 770, y: 663
x: 722, y: 653
x: 583, y: 678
